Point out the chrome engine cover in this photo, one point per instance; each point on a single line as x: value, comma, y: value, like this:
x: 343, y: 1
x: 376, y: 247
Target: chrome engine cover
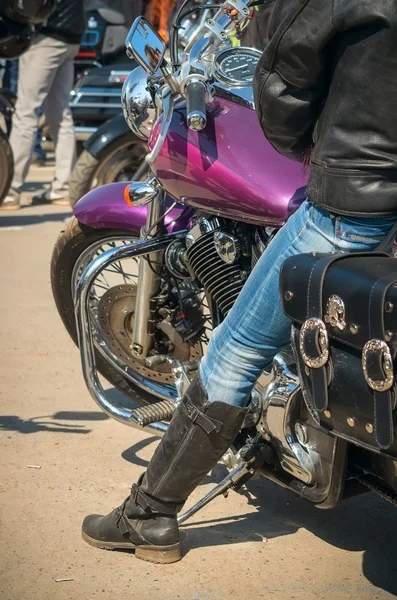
x: 313, y: 459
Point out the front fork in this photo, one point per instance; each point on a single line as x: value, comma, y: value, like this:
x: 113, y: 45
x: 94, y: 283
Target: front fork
x: 148, y: 280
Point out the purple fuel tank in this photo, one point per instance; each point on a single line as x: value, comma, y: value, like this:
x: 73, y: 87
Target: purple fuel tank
x: 229, y: 168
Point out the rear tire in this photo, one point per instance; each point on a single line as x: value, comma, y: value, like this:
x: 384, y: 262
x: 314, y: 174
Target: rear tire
x: 6, y: 165
x: 119, y: 162
x: 82, y: 176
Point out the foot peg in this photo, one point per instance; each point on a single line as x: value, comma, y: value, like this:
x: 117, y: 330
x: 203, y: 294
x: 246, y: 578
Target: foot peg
x: 160, y: 411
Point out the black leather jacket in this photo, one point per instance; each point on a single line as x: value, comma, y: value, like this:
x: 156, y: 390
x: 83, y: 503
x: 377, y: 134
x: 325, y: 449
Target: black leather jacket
x: 67, y: 22
x: 328, y: 78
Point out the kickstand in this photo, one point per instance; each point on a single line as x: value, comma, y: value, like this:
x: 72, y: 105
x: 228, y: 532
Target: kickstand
x: 252, y: 457
x: 232, y: 480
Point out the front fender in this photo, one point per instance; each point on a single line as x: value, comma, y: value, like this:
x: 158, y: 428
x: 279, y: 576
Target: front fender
x: 112, y: 133
x: 104, y: 207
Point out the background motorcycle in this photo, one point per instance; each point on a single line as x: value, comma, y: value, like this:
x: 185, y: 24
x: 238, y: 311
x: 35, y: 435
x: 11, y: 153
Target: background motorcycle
x: 113, y: 152
x: 100, y: 70
x: 144, y: 310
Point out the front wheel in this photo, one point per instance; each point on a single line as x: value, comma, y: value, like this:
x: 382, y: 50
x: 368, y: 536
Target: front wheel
x: 112, y: 304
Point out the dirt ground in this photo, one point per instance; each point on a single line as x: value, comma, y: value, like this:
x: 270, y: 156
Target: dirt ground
x: 260, y: 543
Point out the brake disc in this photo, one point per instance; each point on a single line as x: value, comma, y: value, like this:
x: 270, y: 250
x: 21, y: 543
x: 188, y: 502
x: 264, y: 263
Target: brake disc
x: 115, y: 317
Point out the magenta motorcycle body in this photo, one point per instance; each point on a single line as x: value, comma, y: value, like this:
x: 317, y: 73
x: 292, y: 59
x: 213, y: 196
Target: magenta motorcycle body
x: 229, y: 169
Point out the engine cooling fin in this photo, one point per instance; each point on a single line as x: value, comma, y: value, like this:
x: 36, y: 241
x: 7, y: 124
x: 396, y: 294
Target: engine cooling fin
x: 223, y: 281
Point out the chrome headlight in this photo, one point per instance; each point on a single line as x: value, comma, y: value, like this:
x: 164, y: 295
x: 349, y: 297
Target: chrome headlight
x: 138, y: 107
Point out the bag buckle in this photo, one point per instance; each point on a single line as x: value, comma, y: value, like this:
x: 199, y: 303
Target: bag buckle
x: 386, y: 362
x: 318, y: 327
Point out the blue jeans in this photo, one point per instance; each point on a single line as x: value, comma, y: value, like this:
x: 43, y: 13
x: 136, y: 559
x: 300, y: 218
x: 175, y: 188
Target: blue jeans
x: 256, y: 328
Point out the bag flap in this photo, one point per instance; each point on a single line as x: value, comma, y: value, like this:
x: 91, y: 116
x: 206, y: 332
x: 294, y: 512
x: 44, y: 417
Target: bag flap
x: 346, y: 295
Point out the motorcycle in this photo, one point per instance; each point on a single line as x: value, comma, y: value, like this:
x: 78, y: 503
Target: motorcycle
x: 144, y: 272
x: 100, y: 69
x: 113, y: 152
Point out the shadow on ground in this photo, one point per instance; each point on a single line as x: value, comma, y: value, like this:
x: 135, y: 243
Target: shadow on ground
x: 54, y: 423
x: 364, y: 524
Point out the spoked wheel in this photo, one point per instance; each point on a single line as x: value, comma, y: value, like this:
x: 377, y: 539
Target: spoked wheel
x: 111, y: 307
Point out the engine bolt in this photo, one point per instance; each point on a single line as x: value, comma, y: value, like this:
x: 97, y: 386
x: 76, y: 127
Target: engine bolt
x: 301, y: 433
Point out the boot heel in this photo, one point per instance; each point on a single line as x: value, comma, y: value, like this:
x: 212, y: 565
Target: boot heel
x: 159, y: 554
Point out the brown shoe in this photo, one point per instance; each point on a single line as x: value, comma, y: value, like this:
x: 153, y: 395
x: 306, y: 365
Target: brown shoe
x: 10, y: 205
x: 50, y: 197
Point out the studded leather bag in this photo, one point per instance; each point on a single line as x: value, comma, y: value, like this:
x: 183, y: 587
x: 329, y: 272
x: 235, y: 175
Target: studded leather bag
x: 344, y: 334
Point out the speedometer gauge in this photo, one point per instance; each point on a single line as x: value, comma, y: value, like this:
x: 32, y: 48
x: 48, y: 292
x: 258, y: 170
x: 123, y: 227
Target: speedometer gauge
x: 236, y: 66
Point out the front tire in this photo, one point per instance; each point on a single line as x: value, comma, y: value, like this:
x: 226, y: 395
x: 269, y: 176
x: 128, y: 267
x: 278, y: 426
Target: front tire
x: 71, y: 243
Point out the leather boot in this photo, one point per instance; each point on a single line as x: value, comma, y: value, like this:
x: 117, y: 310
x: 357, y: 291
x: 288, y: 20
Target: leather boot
x: 197, y: 437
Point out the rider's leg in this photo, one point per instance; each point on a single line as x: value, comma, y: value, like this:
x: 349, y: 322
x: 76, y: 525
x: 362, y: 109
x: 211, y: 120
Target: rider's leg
x: 211, y: 412
x: 256, y: 328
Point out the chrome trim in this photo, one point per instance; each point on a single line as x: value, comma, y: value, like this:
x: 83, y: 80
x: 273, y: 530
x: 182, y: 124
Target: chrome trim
x: 240, y: 6
x: 148, y: 280
x: 223, y: 77
x: 310, y: 325
x: 115, y: 75
x: 335, y: 313
x: 83, y: 133
x: 137, y: 103
x: 216, y: 28
x: 379, y: 385
x: 143, y: 192
x: 280, y: 400
x: 202, y: 226
x: 77, y: 98
x: 162, y: 391
x: 84, y: 327
x: 168, y: 101
x: 227, y: 247
x: 96, y: 105
x: 239, y: 95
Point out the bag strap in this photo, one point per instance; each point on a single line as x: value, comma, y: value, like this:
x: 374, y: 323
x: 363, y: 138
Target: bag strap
x: 378, y: 362
x: 314, y: 338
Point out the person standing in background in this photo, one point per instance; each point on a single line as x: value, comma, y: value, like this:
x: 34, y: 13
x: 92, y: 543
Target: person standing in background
x: 46, y: 75
x: 10, y: 82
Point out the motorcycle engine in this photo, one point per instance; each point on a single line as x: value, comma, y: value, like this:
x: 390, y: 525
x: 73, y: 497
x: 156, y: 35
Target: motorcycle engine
x: 220, y: 257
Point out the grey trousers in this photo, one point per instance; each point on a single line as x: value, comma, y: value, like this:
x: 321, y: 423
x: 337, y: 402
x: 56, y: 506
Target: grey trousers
x: 46, y: 75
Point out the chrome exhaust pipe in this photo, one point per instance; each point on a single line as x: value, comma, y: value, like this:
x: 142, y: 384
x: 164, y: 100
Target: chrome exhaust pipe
x: 84, y: 330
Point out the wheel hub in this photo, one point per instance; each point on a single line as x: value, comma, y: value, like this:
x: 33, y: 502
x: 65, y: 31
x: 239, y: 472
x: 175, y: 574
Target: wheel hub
x: 115, y: 316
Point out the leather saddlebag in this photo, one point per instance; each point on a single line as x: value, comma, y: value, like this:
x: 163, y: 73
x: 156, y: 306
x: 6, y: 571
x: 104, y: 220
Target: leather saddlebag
x: 343, y: 309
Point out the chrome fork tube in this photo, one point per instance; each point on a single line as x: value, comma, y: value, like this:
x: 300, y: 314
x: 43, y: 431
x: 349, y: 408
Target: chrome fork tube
x: 148, y: 281
x: 84, y: 329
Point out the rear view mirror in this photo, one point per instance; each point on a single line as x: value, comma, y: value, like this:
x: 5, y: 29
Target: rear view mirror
x: 145, y: 45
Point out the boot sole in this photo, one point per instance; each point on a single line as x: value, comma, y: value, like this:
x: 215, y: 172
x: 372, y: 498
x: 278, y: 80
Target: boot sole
x: 154, y: 554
